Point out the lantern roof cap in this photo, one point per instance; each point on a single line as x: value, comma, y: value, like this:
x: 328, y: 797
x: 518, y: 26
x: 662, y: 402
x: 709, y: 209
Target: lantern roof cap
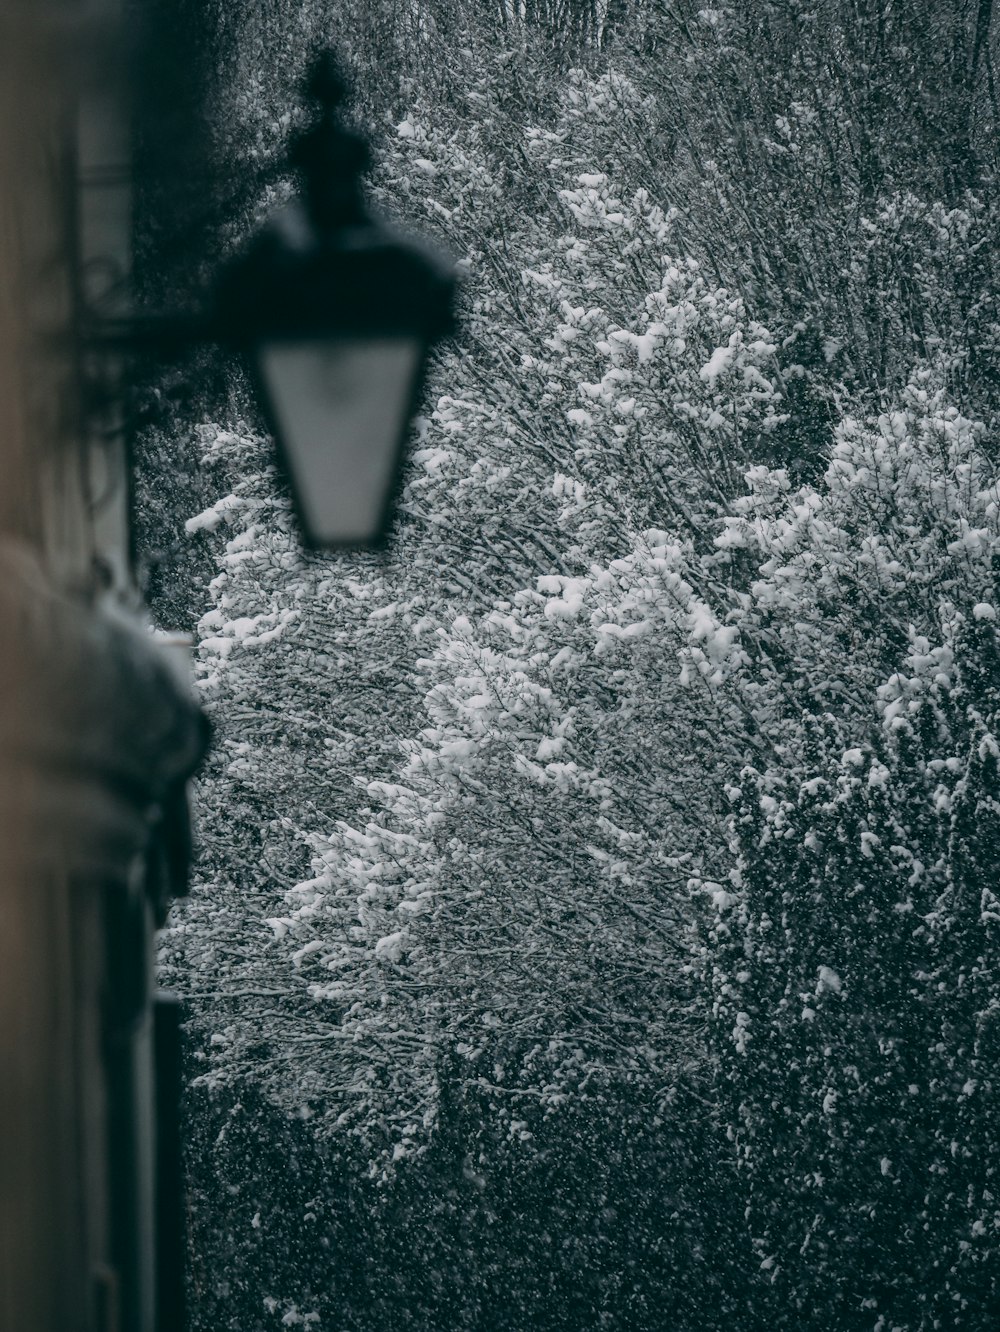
x: 323, y: 265
x: 363, y: 279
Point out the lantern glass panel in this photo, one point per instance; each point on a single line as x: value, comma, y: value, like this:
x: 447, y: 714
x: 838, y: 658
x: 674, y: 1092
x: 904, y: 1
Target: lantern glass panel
x: 340, y: 408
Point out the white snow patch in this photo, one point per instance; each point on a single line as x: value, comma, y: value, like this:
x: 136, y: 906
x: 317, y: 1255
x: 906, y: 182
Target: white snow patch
x: 391, y: 947
x: 828, y: 980
x: 717, y: 364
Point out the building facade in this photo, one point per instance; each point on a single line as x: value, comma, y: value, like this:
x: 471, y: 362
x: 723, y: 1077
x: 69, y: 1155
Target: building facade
x: 98, y: 733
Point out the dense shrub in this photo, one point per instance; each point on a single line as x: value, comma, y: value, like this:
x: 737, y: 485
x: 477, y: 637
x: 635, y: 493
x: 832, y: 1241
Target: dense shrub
x: 853, y: 962
x: 598, y: 1216
x: 592, y: 880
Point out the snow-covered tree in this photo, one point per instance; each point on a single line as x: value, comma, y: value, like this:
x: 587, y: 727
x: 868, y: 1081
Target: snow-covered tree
x: 537, y: 829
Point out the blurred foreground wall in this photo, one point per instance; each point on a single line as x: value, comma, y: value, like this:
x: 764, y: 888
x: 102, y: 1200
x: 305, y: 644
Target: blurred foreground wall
x: 97, y: 737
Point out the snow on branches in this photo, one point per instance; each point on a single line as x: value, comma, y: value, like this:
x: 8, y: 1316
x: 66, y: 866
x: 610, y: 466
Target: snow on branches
x: 662, y: 750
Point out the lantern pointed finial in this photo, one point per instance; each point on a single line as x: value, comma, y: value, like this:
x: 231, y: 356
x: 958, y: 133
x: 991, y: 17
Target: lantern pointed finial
x: 331, y: 157
x: 326, y: 82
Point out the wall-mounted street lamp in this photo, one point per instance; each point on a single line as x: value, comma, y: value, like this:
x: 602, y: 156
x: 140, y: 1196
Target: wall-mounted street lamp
x: 338, y: 313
